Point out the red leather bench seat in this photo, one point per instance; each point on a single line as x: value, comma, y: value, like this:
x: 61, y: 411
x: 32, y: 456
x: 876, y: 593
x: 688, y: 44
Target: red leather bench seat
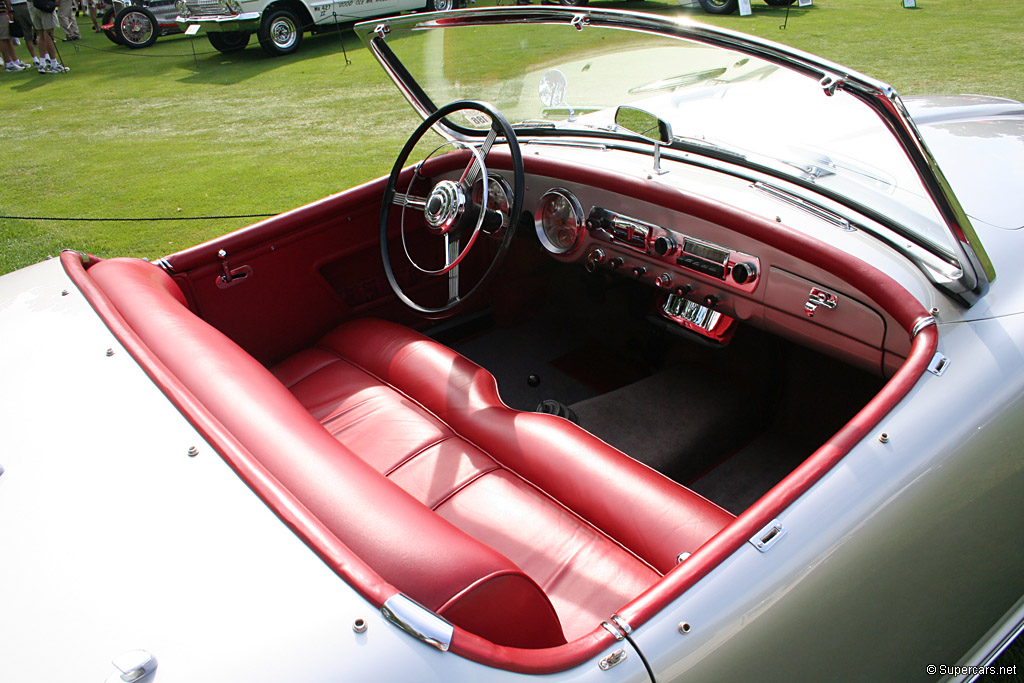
x: 591, y: 526
x: 519, y: 527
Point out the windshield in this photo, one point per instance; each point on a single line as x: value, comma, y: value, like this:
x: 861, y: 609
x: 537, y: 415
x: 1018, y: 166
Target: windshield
x: 751, y: 102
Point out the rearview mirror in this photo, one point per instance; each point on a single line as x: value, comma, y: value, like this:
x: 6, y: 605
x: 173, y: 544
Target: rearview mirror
x: 648, y: 126
x: 644, y: 124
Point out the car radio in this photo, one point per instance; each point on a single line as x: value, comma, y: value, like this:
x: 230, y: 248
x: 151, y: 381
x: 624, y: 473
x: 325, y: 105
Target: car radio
x: 731, y: 267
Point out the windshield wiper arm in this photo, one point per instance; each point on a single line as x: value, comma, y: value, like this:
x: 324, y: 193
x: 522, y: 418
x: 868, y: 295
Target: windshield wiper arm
x: 708, y: 145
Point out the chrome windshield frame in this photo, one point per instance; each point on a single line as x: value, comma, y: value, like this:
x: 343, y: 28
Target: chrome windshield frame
x: 974, y: 269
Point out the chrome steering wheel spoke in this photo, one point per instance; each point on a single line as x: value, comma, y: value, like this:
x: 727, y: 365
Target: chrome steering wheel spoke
x: 449, y: 210
x: 409, y: 200
x: 472, y: 173
x: 452, y: 253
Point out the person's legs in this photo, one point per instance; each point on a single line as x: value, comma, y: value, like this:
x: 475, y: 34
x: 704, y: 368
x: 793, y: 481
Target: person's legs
x: 7, y: 52
x: 66, y: 15
x: 47, y: 50
x: 22, y: 16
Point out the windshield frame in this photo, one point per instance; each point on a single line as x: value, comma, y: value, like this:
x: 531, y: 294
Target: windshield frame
x: 971, y: 271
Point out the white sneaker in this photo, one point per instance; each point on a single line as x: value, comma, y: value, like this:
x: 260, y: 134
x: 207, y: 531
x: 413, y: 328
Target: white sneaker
x: 12, y: 66
x: 58, y: 68
x: 22, y: 64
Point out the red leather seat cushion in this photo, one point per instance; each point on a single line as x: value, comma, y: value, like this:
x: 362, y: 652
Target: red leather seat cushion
x: 591, y: 526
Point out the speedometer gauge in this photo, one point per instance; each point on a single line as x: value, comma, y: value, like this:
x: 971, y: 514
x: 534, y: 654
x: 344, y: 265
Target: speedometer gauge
x: 558, y: 219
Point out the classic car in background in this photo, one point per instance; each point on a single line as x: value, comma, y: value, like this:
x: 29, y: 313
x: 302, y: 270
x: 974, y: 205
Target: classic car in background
x: 138, y: 23
x: 730, y: 6
x: 281, y: 24
x: 602, y: 382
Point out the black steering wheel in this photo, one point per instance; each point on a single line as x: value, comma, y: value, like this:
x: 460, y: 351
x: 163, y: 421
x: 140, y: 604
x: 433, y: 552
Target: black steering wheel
x: 453, y: 214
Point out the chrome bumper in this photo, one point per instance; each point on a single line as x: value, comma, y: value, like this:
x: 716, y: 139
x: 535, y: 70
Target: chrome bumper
x: 246, y: 21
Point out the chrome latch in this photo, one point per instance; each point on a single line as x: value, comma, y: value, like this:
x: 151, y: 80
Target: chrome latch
x: 579, y: 21
x: 829, y: 83
x: 230, y: 276
x: 938, y: 364
x: 819, y: 297
x: 614, y: 659
x: 765, y: 539
x: 132, y: 666
x: 381, y: 30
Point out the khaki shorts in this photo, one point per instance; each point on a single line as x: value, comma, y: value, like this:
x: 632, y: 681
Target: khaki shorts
x: 5, y: 27
x: 43, y: 21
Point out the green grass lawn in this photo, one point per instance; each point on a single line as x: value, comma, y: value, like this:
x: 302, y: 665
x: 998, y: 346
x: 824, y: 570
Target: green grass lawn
x: 160, y: 133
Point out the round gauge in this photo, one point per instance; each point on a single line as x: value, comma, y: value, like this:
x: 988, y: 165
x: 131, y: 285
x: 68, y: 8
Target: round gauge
x: 499, y: 199
x: 558, y: 219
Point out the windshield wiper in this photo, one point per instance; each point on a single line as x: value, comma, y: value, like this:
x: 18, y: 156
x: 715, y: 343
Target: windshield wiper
x: 534, y: 123
x: 708, y: 145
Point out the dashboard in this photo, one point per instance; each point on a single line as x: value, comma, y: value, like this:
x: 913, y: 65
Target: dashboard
x: 710, y: 274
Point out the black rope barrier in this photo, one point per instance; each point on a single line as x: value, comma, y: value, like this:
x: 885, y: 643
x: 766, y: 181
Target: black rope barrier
x: 69, y: 219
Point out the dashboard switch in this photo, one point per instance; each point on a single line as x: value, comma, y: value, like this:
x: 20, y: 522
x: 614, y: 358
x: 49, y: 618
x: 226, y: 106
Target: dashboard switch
x: 710, y: 300
x: 683, y: 290
x: 664, y: 281
x: 639, y: 272
x: 594, y: 258
x: 616, y: 262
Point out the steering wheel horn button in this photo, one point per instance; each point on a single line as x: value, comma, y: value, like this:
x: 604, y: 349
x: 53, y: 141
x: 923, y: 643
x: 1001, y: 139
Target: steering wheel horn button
x: 444, y: 207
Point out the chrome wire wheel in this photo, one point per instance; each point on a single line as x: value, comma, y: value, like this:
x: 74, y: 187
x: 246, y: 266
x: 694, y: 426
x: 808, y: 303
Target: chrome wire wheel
x: 135, y: 27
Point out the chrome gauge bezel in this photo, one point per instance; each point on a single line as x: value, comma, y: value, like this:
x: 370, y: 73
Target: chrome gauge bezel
x: 498, y: 187
x: 538, y: 220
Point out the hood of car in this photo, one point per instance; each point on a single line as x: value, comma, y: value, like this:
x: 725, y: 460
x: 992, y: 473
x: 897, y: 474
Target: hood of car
x: 729, y: 99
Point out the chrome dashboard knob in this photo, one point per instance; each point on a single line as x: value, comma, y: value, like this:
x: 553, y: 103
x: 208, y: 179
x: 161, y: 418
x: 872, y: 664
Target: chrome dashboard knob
x: 742, y: 273
x: 664, y: 281
x: 639, y: 272
x: 664, y: 246
x: 616, y: 262
x: 594, y: 258
x: 710, y: 300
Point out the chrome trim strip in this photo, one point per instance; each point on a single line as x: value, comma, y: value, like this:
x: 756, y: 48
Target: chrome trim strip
x: 569, y: 143
x: 418, y: 621
x: 927, y: 321
x: 218, y: 19
x: 805, y: 205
